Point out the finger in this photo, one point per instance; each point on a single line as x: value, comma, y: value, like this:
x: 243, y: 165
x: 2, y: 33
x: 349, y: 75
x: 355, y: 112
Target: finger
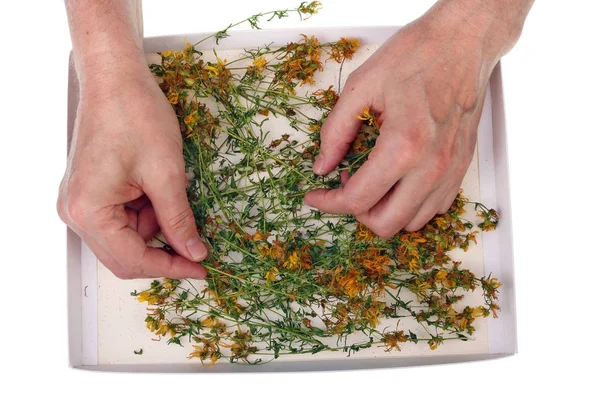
x: 158, y: 263
x: 132, y: 218
x: 147, y: 223
x: 345, y: 176
x: 107, y: 260
x: 448, y: 199
x: 388, y: 162
x: 138, y: 203
x: 427, y: 211
x: 111, y: 264
x: 101, y: 254
x: 174, y: 215
x: 144, y: 222
x: 340, y: 128
x: 129, y: 249
x: 389, y: 217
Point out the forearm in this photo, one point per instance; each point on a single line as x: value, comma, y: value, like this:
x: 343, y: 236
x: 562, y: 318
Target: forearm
x: 494, y: 24
x: 106, y: 35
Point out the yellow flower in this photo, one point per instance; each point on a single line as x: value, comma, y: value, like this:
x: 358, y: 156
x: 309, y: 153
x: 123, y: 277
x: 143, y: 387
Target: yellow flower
x: 344, y: 49
x: 173, y: 98
x: 478, y: 312
x: 272, y: 274
x: 209, y: 322
x: 372, y: 315
x: 441, y: 275
x: 435, y: 342
x: 310, y: 8
x: 363, y: 233
x: 413, y: 264
x: 148, y: 297
x: 495, y: 283
x: 292, y: 261
x: 392, y: 339
x: 212, y: 70
x: 258, y: 236
x: 152, y: 325
x: 143, y: 297
x: 314, y: 127
x: 218, y: 69
x: 265, y: 250
x: 494, y: 308
x: 422, y: 286
x: 441, y: 222
x: 190, y: 119
x: 349, y: 283
x: 259, y: 64
x: 163, y: 329
x: 168, y: 284
x: 367, y: 116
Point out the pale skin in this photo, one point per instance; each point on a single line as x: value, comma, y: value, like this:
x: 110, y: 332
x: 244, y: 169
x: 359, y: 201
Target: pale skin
x: 125, y: 178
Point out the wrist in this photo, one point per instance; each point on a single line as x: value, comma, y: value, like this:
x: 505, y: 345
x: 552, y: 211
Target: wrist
x: 103, y: 66
x: 108, y: 75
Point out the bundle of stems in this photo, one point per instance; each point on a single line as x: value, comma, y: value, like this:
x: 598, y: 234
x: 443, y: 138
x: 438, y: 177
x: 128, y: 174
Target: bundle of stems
x: 283, y: 278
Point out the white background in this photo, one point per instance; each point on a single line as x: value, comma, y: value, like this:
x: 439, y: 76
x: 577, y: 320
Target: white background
x: 552, y: 94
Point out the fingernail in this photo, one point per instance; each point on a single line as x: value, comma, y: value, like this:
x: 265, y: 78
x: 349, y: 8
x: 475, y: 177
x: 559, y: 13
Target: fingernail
x: 196, y: 248
x: 319, y: 164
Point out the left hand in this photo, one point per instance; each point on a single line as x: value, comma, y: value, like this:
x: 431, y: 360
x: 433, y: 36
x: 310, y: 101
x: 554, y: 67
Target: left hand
x: 427, y: 86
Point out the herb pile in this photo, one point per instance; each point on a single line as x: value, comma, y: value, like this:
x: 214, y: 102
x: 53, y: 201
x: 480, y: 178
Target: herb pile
x: 285, y: 279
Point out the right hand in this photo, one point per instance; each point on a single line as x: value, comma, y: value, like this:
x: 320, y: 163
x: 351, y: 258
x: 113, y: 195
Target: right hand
x: 125, y: 178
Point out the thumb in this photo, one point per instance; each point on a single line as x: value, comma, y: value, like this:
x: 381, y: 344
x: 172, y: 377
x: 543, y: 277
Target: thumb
x: 339, y: 129
x: 174, y: 215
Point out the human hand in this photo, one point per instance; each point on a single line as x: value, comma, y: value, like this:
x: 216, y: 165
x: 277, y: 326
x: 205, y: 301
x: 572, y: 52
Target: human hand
x: 426, y: 85
x: 125, y: 177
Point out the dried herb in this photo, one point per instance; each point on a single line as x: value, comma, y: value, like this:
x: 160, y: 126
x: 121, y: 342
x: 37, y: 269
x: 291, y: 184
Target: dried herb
x: 285, y: 279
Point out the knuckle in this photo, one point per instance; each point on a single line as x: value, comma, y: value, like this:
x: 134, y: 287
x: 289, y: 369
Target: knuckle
x: 412, y: 148
x: 181, y: 220
x: 171, y: 169
x: 73, y: 204
x: 384, y: 230
x: 352, y: 80
x: 381, y: 227
x: 77, y: 210
x: 406, y: 159
x: 445, y: 207
x: 61, y: 209
x: 416, y: 224
x: 162, y: 170
x: 412, y: 227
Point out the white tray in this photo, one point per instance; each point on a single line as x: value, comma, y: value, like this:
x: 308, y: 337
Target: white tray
x: 490, y: 168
